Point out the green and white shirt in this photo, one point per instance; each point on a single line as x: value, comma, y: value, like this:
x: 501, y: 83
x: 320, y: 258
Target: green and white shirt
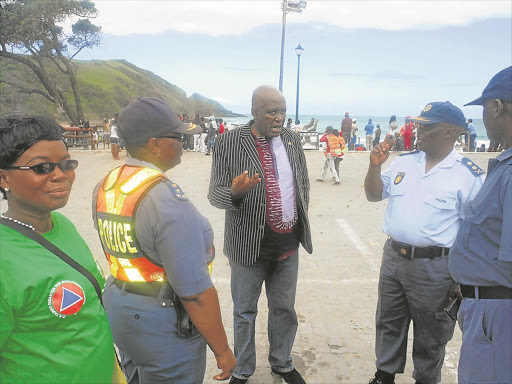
x: 53, y: 328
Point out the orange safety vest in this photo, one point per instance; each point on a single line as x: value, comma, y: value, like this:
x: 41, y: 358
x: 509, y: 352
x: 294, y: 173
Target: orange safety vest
x: 119, y: 196
x: 336, y: 145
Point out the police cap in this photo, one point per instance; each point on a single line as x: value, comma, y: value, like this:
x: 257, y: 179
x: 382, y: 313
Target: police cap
x: 440, y: 112
x: 147, y: 117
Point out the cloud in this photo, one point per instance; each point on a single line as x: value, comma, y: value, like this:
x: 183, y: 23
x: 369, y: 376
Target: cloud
x: 222, y: 100
x: 231, y: 18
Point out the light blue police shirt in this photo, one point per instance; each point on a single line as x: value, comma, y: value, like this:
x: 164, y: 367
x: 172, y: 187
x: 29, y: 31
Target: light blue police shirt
x: 482, y: 253
x: 424, y: 209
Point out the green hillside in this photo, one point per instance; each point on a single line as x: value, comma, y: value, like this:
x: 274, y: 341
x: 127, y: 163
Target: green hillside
x: 106, y: 87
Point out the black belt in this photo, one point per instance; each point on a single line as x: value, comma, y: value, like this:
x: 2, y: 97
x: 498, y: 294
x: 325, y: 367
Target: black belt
x: 497, y: 292
x: 412, y: 252
x: 151, y: 289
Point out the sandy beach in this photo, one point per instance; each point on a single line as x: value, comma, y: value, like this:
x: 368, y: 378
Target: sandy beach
x: 337, y: 288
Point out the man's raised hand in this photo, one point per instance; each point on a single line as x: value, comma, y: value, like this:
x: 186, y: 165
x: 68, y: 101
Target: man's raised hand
x: 242, y: 184
x: 380, y: 152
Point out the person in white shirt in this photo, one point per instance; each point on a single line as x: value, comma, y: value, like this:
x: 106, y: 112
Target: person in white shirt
x: 426, y: 190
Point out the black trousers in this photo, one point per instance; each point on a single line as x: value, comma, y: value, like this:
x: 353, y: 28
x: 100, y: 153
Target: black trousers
x: 337, y: 162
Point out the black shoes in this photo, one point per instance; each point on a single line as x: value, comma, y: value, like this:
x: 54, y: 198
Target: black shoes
x: 292, y: 377
x: 382, y: 377
x: 236, y: 380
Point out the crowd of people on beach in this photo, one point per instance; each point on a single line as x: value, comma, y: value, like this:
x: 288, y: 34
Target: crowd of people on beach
x: 448, y: 256
x: 405, y: 137
x: 202, y: 142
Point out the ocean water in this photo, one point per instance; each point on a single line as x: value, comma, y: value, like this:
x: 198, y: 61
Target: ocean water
x: 335, y: 121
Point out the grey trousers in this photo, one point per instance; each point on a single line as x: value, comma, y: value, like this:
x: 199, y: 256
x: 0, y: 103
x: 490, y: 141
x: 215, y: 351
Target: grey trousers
x: 151, y: 352
x: 280, y: 279
x: 416, y: 290
x: 369, y: 142
x: 329, y: 164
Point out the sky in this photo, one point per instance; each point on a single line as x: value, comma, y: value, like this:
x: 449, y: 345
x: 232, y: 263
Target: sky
x: 364, y: 57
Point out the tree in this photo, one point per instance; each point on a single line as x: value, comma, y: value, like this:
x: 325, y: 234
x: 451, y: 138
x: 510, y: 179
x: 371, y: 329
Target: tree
x: 30, y: 33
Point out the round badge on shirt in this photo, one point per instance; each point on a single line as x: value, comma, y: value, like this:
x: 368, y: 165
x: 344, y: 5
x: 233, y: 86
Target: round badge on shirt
x: 66, y: 298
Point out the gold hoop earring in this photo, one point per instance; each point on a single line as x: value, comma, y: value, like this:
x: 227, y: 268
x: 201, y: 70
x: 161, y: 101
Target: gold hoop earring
x: 158, y: 154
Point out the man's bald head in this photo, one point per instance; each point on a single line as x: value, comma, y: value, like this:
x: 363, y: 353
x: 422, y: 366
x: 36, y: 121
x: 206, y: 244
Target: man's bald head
x: 263, y: 92
x: 268, y: 111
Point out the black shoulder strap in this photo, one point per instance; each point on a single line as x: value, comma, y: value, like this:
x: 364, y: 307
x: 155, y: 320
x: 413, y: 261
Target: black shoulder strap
x: 52, y: 248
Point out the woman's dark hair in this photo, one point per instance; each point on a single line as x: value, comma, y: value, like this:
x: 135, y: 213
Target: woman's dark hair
x: 335, y: 132
x: 17, y: 134
x: 392, y: 118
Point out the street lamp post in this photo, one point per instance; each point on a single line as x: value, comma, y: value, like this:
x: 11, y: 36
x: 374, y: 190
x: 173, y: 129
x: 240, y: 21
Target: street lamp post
x: 298, y: 51
x: 288, y: 6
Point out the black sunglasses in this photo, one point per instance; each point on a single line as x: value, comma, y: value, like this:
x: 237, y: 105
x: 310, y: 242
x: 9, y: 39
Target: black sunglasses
x: 175, y: 137
x: 46, y: 168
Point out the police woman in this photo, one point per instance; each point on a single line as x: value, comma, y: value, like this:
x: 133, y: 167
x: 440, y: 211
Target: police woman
x: 159, y: 247
x: 53, y: 328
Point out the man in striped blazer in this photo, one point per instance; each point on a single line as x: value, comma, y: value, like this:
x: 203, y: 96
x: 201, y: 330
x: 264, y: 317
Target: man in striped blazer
x: 259, y: 176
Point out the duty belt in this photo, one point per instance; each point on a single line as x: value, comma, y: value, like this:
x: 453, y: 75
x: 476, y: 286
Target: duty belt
x: 151, y: 289
x: 497, y: 292
x: 411, y: 252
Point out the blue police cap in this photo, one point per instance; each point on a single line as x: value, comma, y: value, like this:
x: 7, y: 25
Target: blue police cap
x: 147, y: 117
x: 440, y: 112
x: 500, y: 87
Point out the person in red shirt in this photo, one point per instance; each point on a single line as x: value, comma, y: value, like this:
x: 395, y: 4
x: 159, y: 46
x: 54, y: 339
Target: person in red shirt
x: 407, y: 135
x: 221, y: 127
x: 325, y: 139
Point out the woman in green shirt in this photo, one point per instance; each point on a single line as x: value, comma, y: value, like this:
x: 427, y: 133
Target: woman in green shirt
x: 53, y: 328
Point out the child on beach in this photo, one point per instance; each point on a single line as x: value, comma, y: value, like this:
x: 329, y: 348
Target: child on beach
x: 334, y: 149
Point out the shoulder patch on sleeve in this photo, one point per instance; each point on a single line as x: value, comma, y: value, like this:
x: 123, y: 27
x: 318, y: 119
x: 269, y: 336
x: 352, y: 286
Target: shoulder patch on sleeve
x: 473, y: 168
x: 177, y: 191
x: 408, y: 153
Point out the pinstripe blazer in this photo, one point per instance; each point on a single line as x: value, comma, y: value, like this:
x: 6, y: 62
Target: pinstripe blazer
x: 234, y: 153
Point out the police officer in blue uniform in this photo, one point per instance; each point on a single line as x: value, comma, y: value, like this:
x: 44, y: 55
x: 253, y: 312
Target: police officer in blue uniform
x: 425, y: 191
x: 481, y: 257
x: 158, y: 246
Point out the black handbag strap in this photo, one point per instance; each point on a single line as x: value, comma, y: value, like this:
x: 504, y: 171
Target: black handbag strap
x: 31, y: 234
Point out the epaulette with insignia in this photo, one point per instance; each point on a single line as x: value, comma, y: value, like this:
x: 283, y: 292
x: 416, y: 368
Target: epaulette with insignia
x: 474, y: 169
x: 408, y: 153
x: 177, y: 191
